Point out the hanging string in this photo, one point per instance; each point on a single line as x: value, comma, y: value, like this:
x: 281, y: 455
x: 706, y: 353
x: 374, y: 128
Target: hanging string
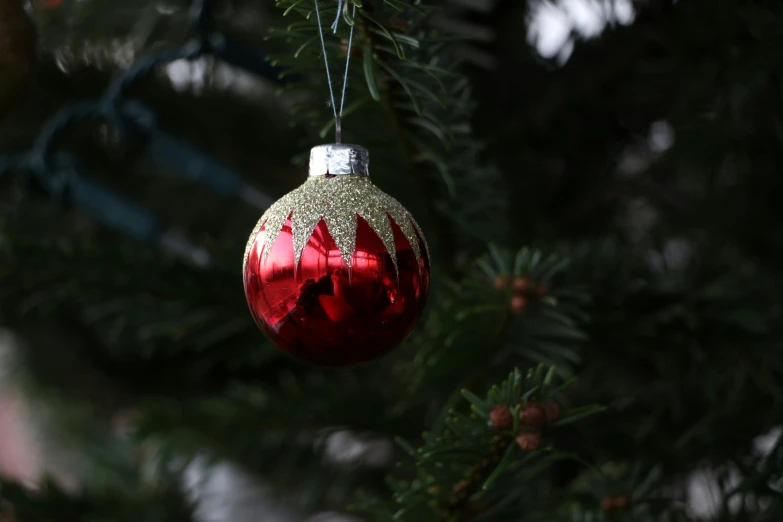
x: 338, y: 114
x: 337, y: 18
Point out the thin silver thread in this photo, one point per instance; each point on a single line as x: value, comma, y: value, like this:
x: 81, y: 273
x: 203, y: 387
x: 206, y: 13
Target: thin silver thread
x: 337, y: 18
x: 326, y: 59
x: 338, y: 114
x: 347, y: 59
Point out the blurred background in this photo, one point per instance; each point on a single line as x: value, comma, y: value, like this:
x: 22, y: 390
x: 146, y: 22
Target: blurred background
x: 625, y: 157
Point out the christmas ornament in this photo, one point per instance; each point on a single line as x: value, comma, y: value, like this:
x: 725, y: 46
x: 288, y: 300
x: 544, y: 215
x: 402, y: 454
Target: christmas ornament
x: 336, y: 272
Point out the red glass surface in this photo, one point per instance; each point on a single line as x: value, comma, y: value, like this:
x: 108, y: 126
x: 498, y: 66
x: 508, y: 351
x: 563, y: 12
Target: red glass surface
x: 319, y: 313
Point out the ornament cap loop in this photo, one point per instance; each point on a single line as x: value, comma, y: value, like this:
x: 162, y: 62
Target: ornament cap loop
x: 339, y: 159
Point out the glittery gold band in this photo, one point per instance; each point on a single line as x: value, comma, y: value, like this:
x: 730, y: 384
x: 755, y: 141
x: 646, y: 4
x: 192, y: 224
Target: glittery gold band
x: 338, y: 201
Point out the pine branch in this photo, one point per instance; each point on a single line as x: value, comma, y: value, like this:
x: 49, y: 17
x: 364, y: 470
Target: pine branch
x: 509, y: 308
x: 677, y: 333
x: 495, y: 451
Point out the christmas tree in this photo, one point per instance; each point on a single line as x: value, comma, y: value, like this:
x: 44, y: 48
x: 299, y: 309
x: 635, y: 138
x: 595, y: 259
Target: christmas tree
x: 598, y: 182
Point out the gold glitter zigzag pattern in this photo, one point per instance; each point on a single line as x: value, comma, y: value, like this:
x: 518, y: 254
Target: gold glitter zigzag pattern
x: 337, y: 201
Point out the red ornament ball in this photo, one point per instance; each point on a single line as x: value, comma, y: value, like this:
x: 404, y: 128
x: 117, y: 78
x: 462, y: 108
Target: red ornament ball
x: 337, y: 272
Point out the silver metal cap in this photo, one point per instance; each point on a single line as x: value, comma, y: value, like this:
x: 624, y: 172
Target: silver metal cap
x: 339, y: 159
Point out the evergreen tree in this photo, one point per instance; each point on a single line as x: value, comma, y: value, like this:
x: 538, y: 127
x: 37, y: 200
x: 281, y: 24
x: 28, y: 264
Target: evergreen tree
x: 599, y: 182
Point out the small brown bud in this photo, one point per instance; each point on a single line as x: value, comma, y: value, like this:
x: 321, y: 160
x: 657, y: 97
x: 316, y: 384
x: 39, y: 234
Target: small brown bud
x: 553, y: 411
x: 529, y: 441
x: 518, y: 303
x: 433, y: 490
x: 521, y: 284
x: 616, y: 502
x: 542, y: 290
x: 501, y: 282
x: 355, y: 51
x: 462, y: 488
x: 501, y: 418
x: 532, y: 415
x: 400, y: 23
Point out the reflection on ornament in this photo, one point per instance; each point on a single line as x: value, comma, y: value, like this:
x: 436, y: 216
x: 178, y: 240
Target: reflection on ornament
x: 336, y: 272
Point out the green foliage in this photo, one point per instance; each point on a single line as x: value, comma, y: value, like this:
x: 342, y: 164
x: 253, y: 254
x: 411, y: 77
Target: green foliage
x: 462, y: 468
x: 471, y: 333
x: 552, y: 327
x: 621, y: 491
x: 683, y: 351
